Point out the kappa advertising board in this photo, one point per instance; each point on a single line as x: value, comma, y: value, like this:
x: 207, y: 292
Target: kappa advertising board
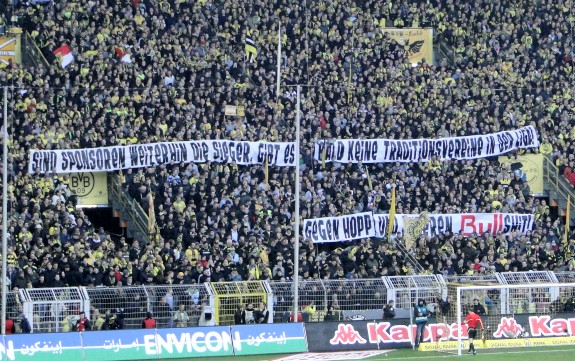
x: 362, y: 225
x: 268, y: 339
x: 106, y: 159
x: 361, y: 335
x: 424, y: 150
x: 357, y: 335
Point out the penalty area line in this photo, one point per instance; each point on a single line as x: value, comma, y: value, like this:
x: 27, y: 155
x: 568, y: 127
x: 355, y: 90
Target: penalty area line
x: 428, y: 356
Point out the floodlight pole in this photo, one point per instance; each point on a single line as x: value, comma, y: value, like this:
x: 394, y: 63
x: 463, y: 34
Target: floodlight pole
x: 4, y: 210
x: 297, y: 217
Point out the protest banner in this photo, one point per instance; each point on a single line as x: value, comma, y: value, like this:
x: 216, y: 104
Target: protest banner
x: 335, y: 229
x: 107, y: 159
x: 466, y: 223
x: 423, y: 150
x: 367, y: 224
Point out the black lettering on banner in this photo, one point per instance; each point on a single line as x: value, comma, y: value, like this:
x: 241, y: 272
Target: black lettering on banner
x: 307, y: 230
x: 161, y: 153
x: 107, y: 159
x: 204, y: 152
x: 43, y: 162
x: 246, y: 151
x: 120, y: 154
x: 464, y: 147
x: 367, y: 219
x: 261, y: 153
x: 424, y: 150
x: 133, y: 151
x: 141, y: 156
x: 200, y: 151
x: 322, y: 230
x: 446, y: 149
x: 363, y: 150
x: 183, y: 152
x: 272, y: 151
x: 451, y: 146
x: 437, y: 148
x: 289, y: 156
x: 501, y: 142
x: 382, y: 222
x: 480, y: 147
x: 507, y: 222
x: 457, y: 148
x: 232, y: 154
x: 472, y: 147
x: 340, y: 153
x: 393, y: 151
x: 354, y: 227
x: 416, y: 151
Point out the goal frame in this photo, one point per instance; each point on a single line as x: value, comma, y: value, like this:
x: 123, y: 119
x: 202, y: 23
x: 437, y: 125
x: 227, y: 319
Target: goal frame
x: 460, y: 290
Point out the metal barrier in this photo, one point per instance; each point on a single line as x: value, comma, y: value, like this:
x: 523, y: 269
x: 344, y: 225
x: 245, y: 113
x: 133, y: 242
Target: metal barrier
x: 31, y: 55
x: 557, y: 186
x: 56, y: 309
x: 129, y: 208
x: 229, y: 295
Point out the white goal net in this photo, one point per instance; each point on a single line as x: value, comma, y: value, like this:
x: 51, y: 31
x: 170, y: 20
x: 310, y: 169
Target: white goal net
x: 513, y: 315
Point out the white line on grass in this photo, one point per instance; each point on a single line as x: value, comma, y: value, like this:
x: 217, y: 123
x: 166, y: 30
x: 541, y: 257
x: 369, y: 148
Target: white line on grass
x: 422, y: 357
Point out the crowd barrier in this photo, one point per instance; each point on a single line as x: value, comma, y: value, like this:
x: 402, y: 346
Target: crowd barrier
x: 523, y: 330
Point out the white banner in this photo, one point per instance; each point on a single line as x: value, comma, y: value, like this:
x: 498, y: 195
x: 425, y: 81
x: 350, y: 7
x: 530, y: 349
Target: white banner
x: 147, y: 155
x: 422, y: 150
x: 336, y: 229
x: 362, y: 225
x: 466, y: 223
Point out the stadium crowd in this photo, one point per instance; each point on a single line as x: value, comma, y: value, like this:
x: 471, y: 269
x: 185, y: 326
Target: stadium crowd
x: 512, y: 66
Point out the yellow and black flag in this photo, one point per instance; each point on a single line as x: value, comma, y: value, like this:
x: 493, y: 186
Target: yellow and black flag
x: 251, y: 49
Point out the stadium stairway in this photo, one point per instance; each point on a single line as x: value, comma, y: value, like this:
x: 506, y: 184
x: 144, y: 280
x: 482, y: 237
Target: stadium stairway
x: 558, y: 189
x: 130, y: 213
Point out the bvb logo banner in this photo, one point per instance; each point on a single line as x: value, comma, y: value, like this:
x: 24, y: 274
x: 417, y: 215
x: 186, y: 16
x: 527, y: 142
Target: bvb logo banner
x: 418, y: 43
x: 529, y: 167
x: 7, y: 50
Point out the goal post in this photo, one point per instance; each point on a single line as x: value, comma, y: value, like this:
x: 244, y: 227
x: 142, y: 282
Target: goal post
x: 517, y: 315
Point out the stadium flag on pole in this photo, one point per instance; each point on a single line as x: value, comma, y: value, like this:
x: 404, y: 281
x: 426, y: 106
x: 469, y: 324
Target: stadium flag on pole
x: 369, y: 183
x: 64, y: 55
x: 151, y: 214
x: 266, y: 170
x: 323, y: 155
x: 251, y: 49
x: 391, y: 213
x: 567, y: 218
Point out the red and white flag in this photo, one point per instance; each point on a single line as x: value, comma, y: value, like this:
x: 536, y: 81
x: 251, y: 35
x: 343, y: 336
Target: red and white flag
x: 122, y: 55
x: 65, y: 55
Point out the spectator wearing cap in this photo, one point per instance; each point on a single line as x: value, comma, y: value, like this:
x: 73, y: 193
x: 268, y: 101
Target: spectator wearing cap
x: 24, y: 324
x: 478, y: 307
x: 389, y: 310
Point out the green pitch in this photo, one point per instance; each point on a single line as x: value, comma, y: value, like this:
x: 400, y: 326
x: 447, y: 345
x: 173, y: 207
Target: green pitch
x: 564, y: 353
